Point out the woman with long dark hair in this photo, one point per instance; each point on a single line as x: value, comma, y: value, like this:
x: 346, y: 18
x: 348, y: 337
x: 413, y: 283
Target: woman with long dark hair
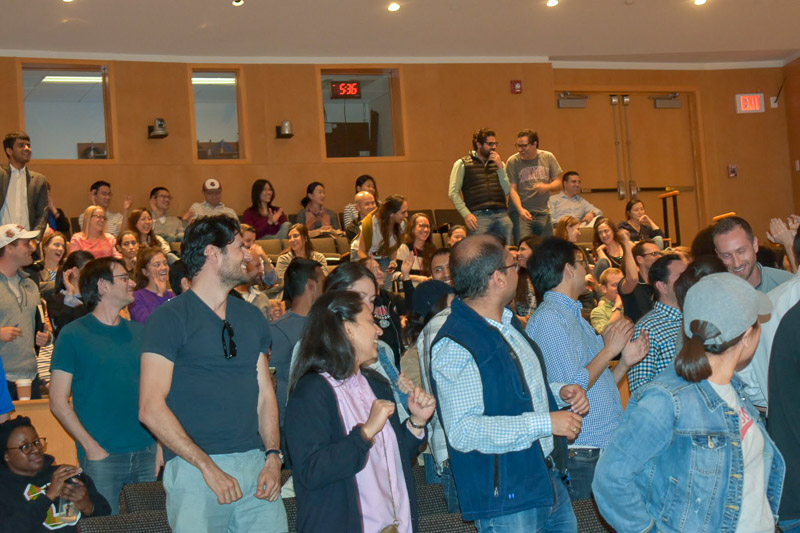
x: 608, y: 249
x: 65, y: 304
x: 691, y: 453
x: 381, y: 234
x: 417, y: 247
x: 350, y: 467
x: 152, y: 284
x: 268, y: 220
x: 315, y: 216
x: 141, y: 221
x: 299, y: 246
x: 640, y: 226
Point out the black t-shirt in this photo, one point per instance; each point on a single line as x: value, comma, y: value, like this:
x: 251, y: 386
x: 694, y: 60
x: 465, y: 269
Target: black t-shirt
x: 215, y: 399
x: 638, y: 302
x: 784, y: 396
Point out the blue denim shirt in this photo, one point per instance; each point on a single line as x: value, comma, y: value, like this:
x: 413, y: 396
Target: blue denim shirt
x: 675, y: 463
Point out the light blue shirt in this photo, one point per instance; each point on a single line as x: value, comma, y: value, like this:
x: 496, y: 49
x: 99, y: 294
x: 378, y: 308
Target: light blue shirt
x: 562, y: 205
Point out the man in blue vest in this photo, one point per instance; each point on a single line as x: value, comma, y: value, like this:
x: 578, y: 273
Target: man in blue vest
x: 479, y: 185
x: 505, y: 434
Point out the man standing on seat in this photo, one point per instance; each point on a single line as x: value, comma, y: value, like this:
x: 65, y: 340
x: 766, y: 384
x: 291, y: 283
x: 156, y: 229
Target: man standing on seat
x: 96, y: 359
x: 206, y: 393
x: 501, y: 418
x: 23, y: 195
x: 478, y: 188
x: 533, y: 174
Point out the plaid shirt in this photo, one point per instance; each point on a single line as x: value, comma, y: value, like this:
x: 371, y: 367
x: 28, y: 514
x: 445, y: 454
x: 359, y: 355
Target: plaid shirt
x: 569, y: 343
x: 663, y: 324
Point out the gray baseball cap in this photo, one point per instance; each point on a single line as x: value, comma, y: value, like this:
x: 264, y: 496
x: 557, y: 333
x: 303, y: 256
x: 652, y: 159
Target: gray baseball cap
x: 728, y: 302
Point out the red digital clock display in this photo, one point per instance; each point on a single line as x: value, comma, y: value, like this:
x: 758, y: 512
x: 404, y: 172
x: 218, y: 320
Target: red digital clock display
x: 345, y: 89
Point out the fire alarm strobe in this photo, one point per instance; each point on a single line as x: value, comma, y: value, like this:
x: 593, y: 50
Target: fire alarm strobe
x: 516, y: 86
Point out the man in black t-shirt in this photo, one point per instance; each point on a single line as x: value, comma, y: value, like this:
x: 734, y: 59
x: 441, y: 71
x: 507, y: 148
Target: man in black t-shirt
x: 207, y: 395
x: 636, y: 293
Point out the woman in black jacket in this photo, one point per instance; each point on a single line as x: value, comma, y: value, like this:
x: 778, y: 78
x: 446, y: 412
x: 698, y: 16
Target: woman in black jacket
x: 352, y: 470
x: 32, y: 486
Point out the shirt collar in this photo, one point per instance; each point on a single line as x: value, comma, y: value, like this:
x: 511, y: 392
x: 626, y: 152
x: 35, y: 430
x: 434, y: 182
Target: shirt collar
x: 560, y: 299
x: 668, y: 310
x: 505, y: 321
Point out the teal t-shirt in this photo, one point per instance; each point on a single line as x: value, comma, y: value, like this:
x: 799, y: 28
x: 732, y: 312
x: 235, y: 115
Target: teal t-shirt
x: 104, y: 363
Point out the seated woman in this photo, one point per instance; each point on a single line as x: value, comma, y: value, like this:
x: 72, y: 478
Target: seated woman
x: 141, y: 221
x: 53, y: 250
x: 269, y: 221
x: 640, y: 226
x: 692, y: 453
x: 350, y: 467
x: 93, y: 238
x: 33, y: 488
x: 299, y: 246
x: 128, y: 247
x: 65, y: 304
x: 456, y: 235
x: 417, y: 247
x: 608, y: 248
x: 152, y: 284
x: 314, y: 215
x: 364, y: 182
x: 568, y: 228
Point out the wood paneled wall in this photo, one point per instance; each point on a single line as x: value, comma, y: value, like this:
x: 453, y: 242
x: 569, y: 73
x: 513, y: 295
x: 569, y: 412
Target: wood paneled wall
x: 442, y: 105
x: 790, y: 100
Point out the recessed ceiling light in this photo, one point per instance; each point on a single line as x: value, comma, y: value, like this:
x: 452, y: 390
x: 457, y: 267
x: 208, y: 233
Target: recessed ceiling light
x: 552, y: 3
x: 237, y: 3
x: 67, y: 1
x: 699, y: 2
x: 394, y: 6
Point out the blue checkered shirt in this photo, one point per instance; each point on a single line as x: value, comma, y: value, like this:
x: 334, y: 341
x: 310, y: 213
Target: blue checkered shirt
x: 663, y: 324
x: 460, y: 396
x: 569, y: 343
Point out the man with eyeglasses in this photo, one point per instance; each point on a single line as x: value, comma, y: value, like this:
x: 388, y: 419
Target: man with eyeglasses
x: 19, y: 300
x: 100, y: 194
x: 166, y: 226
x: 207, y: 395
x: 575, y: 354
x: 96, y: 360
x: 533, y: 174
x: 479, y: 185
x: 635, y: 291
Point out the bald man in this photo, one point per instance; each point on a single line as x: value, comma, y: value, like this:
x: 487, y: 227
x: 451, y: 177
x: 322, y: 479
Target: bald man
x: 365, y: 202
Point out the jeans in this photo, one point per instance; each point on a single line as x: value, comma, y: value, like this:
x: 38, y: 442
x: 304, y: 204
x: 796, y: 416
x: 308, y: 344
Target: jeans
x: 494, y: 221
x: 283, y: 232
x: 119, y: 469
x: 36, y: 389
x: 559, y: 517
x: 790, y: 525
x: 449, y: 489
x: 541, y: 225
x: 192, y: 506
x: 580, y: 466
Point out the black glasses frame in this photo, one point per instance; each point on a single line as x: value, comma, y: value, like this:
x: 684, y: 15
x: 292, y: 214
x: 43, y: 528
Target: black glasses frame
x: 27, y: 448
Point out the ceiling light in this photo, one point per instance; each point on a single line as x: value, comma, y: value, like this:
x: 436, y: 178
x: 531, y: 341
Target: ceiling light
x: 552, y: 3
x: 213, y: 81
x: 237, y: 3
x: 67, y: 1
x: 394, y: 6
x: 699, y: 2
x: 72, y: 79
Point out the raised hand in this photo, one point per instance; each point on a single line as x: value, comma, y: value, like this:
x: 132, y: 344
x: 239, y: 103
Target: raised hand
x: 378, y: 415
x: 617, y: 335
x: 421, y: 406
x: 635, y: 351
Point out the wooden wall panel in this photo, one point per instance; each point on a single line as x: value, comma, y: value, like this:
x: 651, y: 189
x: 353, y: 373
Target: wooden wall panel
x: 790, y: 100
x: 443, y: 105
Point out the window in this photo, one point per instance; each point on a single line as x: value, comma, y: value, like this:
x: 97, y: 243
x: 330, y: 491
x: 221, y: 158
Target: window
x: 216, y: 115
x: 65, y: 111
x: 361, y: 113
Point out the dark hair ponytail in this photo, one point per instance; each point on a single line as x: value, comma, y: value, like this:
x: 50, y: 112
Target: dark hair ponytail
x: 692, y: 362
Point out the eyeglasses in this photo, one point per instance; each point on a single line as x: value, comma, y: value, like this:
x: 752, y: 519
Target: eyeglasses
x: 125, y: 276
x: 522, y: 146
x: 230, y: 353
x: 514, y: 265
x: 653, y: 254
x: 27, y: 448
x: 101, y: 217
x: 491, y: 144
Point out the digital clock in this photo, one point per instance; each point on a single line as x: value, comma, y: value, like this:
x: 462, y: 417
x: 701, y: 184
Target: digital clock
x: 345, y: 89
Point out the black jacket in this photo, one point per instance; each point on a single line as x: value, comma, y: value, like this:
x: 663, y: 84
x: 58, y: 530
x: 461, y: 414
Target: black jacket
x: 326, y: 458
x: 18, y: 515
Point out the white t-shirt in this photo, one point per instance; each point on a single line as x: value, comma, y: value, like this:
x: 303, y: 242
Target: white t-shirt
x: 755, y: 515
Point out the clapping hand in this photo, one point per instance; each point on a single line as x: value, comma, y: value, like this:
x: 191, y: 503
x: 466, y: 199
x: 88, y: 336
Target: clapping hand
x: 635, y: 351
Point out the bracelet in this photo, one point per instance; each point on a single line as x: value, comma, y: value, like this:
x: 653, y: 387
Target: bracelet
x: 415, y: 426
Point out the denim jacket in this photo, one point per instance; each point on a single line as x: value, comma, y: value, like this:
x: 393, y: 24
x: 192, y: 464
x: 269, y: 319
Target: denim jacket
x: 675, y: 463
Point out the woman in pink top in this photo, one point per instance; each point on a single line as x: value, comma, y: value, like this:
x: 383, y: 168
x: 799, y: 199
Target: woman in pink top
x: 93, y: 238
x: 352, y: 470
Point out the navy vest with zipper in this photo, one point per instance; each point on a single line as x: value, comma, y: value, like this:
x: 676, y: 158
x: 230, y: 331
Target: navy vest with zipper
x: 492, y: 485
x: 481, y: 186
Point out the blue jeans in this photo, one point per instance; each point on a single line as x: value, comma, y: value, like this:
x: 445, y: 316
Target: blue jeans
x: 494, y: 221
x: 790, y: 525
x: 559, y: 517
x: 541, y: 225
x: 449, y: 489
x: 580, y: 466
x: 119, y: 469
x: 192, y: 506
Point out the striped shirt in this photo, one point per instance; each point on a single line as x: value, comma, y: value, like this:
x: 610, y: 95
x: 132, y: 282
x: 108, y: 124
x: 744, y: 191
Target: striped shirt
x: 663, y: 324
x: 460, y: 396
x: 569, y: 343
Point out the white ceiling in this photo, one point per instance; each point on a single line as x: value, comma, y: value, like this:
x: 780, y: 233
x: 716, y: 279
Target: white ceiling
x: 645, y: 31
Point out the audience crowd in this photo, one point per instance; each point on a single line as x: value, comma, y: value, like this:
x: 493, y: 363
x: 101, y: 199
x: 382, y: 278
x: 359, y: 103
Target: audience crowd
x: 499, y: 354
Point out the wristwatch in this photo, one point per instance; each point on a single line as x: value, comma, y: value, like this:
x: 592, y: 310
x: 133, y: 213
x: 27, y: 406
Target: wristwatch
x: 276, y: 452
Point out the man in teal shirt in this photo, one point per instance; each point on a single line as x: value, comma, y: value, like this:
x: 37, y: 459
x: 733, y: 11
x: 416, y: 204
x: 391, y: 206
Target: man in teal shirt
x: 96, y: 358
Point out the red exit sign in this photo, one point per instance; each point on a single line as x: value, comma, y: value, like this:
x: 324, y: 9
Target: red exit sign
x: 750, y: 103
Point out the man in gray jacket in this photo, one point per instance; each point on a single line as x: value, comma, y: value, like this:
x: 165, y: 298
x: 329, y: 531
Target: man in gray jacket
x: 23, y: 193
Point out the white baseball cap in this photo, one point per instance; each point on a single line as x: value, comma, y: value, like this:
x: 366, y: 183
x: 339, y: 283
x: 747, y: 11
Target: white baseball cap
x: 11, y: 232
x: 212, y: 184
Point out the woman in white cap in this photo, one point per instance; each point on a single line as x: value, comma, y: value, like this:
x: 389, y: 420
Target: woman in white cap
x: 691, y: 453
